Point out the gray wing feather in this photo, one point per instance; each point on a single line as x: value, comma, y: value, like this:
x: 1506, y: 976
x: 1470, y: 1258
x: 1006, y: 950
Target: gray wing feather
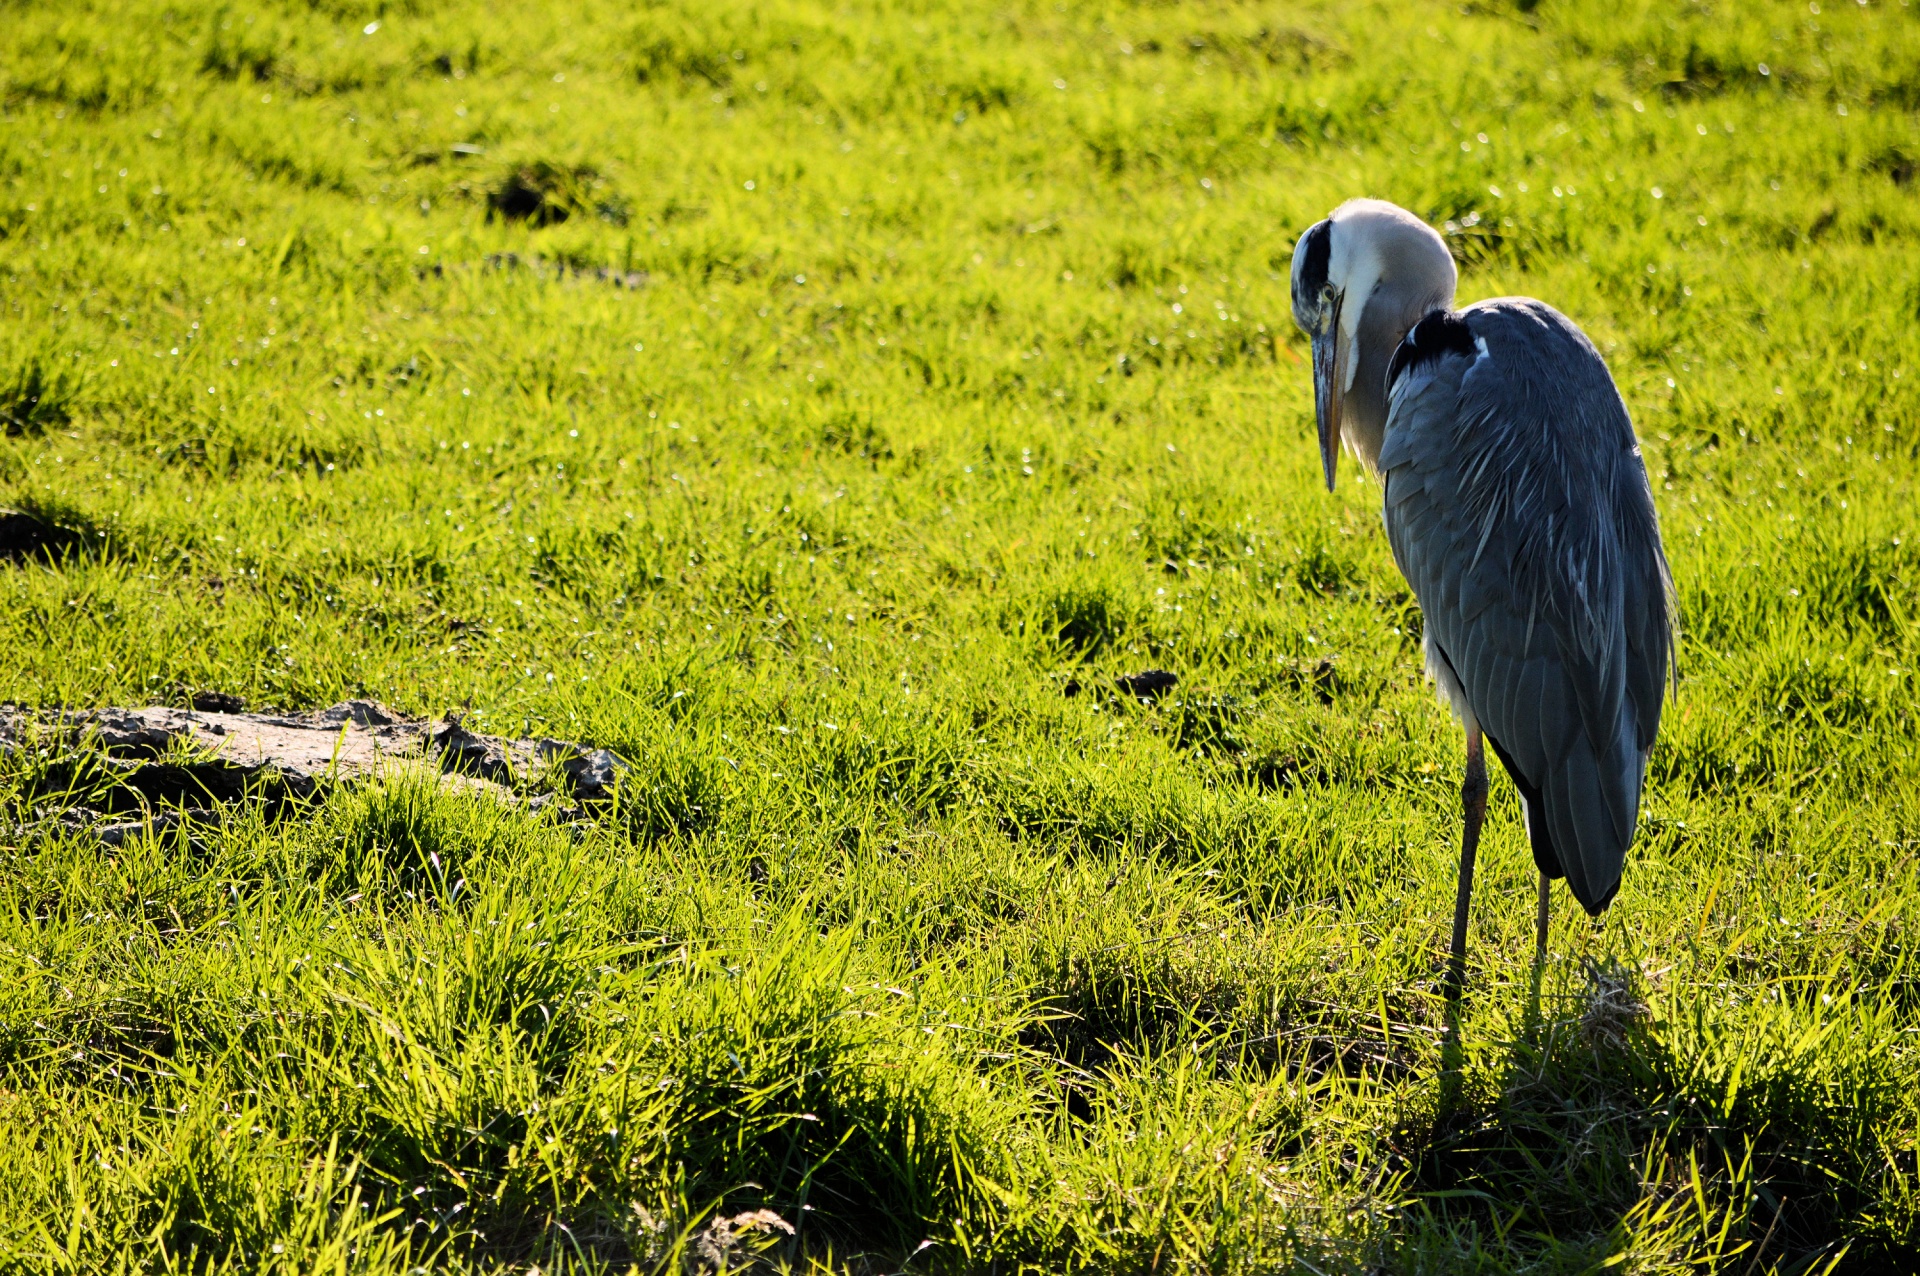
x: 1519, y: 510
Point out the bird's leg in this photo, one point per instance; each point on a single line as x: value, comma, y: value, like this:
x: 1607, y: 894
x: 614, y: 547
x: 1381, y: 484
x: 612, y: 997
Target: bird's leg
x: 1540, y: 925
x: 1473, y: 803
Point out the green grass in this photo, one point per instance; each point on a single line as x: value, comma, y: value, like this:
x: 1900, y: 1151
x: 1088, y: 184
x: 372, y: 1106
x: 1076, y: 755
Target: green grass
x: 961, y: 372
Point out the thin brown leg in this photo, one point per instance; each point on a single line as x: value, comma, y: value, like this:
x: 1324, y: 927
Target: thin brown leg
x: 1540, y: 926
x: 1473, y: 803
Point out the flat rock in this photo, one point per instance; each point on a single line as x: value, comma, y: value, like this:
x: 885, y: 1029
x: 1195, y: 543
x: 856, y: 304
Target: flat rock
x: 592, y: 774
x: 184, y: 763
x: 346, y: 741
x: 468, y: 753
x: 361, y: 713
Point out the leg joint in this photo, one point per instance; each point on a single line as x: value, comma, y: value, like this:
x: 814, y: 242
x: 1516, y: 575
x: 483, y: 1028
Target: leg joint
x: 1473, y: 789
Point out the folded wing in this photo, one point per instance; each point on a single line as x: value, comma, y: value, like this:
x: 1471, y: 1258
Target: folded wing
x: 1518, y: 508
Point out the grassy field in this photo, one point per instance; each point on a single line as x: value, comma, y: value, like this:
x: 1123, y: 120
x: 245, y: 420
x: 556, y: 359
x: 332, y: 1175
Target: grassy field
x: 821, y: 405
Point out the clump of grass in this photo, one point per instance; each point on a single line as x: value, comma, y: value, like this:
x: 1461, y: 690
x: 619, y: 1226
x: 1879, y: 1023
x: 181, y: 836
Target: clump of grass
x: 35, y: 401
x: 1086, y: 617
x: 408, y: 835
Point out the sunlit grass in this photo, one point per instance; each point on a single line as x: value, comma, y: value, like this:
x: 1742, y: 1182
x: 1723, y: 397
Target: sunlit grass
x: 822, y: 407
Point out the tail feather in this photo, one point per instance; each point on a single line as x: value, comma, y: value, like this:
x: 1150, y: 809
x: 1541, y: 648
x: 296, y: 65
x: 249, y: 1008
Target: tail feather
x: 1589, y: 874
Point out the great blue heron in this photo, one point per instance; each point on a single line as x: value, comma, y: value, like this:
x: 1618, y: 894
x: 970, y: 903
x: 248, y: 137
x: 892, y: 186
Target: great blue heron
x: 1518, y: 508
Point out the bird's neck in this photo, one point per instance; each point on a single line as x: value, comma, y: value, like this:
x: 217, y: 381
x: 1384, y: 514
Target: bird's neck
x: 1390, y: 313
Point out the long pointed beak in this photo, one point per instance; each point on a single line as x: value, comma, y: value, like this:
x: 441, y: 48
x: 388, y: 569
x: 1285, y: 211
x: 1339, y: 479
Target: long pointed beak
x: 1329, y: 384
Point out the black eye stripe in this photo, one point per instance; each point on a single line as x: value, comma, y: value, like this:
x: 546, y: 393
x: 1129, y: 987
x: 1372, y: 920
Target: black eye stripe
x: 1318, y: 246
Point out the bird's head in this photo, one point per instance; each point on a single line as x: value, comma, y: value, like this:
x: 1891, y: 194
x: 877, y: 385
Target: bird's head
x: 1366, y: 253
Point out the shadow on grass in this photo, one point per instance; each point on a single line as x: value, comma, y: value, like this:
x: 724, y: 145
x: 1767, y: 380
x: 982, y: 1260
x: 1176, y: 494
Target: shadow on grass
x: 1705, y: 1129
x: 44, y: 534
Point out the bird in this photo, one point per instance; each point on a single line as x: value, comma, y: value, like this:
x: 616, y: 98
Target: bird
x: 1518, y: 508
